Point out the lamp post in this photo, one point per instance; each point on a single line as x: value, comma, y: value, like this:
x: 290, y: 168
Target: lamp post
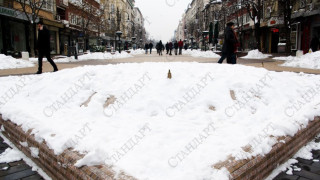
x: 191, y: 42
x: 133, y: 43
x: 119, y: 33
x: 204, y: 34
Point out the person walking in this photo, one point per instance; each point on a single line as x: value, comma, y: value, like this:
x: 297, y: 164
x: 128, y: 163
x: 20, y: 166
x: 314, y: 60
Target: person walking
x: 176, y: 46
x: 170, y: 48
x: 146, y: 47
x: 314, y: 44
x: 44, y: 47
x: 230, y: 45
x: 150, y: 47
x: 159, y: 48
x: 180, y: 45
x: 167, y: 47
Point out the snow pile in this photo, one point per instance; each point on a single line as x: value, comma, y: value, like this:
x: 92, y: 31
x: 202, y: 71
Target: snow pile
x: 309, y: 61
x: 8, y: 62
x: 132, y: 117
x: 198, y: 53
x: 90, y: 56
x: 256, y: 54
x: 137, y: 51
x: 10, y: 155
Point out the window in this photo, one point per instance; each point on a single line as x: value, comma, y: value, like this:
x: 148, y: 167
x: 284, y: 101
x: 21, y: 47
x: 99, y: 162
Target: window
x: 72, y: 18
x: 47, y: 5
x: 112, y: 8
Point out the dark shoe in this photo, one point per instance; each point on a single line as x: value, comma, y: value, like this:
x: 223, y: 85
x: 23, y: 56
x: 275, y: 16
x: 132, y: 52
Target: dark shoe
x: 55, y: 70
x: 38, y: 72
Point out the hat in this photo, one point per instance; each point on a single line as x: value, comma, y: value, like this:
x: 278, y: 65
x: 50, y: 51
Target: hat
x: 230, y: 24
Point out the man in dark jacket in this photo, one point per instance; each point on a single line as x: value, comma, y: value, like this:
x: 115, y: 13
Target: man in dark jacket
x: 146, y: 47
x: 229, y: 47
x: 176, y: 46
x: 170, y: 48
x: 167, y: 47
x: 44, y: 47
x: 180, y: 45
x: 150, y: 47
x: 159, y: 48
x: 314, y: 44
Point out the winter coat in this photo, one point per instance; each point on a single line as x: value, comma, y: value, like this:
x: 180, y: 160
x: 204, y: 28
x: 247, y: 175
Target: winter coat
x: 167, y: 46
x: 146, y: 46
x: 176, y: 45
x: 180, y: 44
x: 159, y: 46
x: 44, y: 40
x: 230, y: 42
x: 170, y: 45
x: 314, y: 44
x: 150, y: 46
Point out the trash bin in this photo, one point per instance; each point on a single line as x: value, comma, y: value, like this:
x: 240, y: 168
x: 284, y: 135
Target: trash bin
x: 281, y: 47
x: 25, y: 55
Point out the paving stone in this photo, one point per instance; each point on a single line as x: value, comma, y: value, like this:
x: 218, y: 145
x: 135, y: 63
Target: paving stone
x: 302, y: 178
x: 284, y: 176
x: 307, y: 167
x: 307, y: 174
x: 305, y: 161
x: 33, y: 177
x: 19, y: 175
x: 15, y: 169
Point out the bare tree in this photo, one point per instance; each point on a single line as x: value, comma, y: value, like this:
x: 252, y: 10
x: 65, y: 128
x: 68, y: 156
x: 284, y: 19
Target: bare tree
x: 286, y: 7
x: 31, y: 9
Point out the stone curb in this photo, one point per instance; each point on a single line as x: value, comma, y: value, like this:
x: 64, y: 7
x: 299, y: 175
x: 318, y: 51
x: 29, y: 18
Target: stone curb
x: 61, y: 166
x: 261, y: 166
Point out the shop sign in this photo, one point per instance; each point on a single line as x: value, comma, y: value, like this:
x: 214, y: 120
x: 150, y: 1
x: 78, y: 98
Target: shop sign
x: 7, y: 12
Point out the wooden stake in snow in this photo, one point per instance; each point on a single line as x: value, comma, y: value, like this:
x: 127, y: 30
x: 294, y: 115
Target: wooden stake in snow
x: 262, y: 64
x: 169, y: 75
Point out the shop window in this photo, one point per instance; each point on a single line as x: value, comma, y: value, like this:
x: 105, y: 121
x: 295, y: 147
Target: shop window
x: 53, y: 42
x: 16, y: 37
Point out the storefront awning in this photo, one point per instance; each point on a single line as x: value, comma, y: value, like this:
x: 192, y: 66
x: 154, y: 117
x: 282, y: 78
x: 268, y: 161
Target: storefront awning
x: 53, y: 23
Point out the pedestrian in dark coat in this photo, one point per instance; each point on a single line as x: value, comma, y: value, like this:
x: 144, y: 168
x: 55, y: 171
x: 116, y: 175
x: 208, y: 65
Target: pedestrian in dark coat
x: 170, y: 48
x: 186, y: 46
x: 167, y: 47
x: 230, y: 45
x: 180, y: 45
x: 146, y: 47
x: 314, y: 44
x: 159, y: 48
x: 43, y: 47
x: 150, y: 47
x: 176, y: 46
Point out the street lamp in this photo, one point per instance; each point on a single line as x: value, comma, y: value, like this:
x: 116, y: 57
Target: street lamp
x: 141, y: 43
x: 191, y: 42
x: 133, y: 43
x: 204, y: 34
x: 119, y: 33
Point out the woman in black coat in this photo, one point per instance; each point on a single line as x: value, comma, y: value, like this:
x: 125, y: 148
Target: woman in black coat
x: 230, y: 44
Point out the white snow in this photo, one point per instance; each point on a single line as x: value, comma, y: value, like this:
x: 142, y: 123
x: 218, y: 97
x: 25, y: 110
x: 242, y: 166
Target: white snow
x: 34, y: 152
x: 8, y: 62
x: 158, y: 128
x: 10, y: 155
x: 198, y: 53
x: 256, y: 54
x: 14, y: 154
x: 92, y: 56
x: 309, y: 61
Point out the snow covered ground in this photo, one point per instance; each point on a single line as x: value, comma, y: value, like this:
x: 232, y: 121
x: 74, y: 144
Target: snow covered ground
x: 8, y: 62
x: 256, y: 54
x: 95, y: 56
x: 198, y: 53
x: 309, y: 60
x: 132, y: 117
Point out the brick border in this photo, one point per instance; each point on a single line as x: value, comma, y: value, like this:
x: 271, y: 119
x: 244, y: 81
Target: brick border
x: 261, y: 166
x: 60, y: 167
x: 57, y: 167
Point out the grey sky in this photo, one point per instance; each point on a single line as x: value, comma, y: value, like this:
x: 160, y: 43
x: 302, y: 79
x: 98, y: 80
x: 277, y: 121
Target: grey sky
x: 162, y: 16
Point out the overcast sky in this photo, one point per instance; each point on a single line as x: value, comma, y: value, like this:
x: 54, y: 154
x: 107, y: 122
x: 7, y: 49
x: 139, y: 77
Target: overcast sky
x: 162, y: 16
